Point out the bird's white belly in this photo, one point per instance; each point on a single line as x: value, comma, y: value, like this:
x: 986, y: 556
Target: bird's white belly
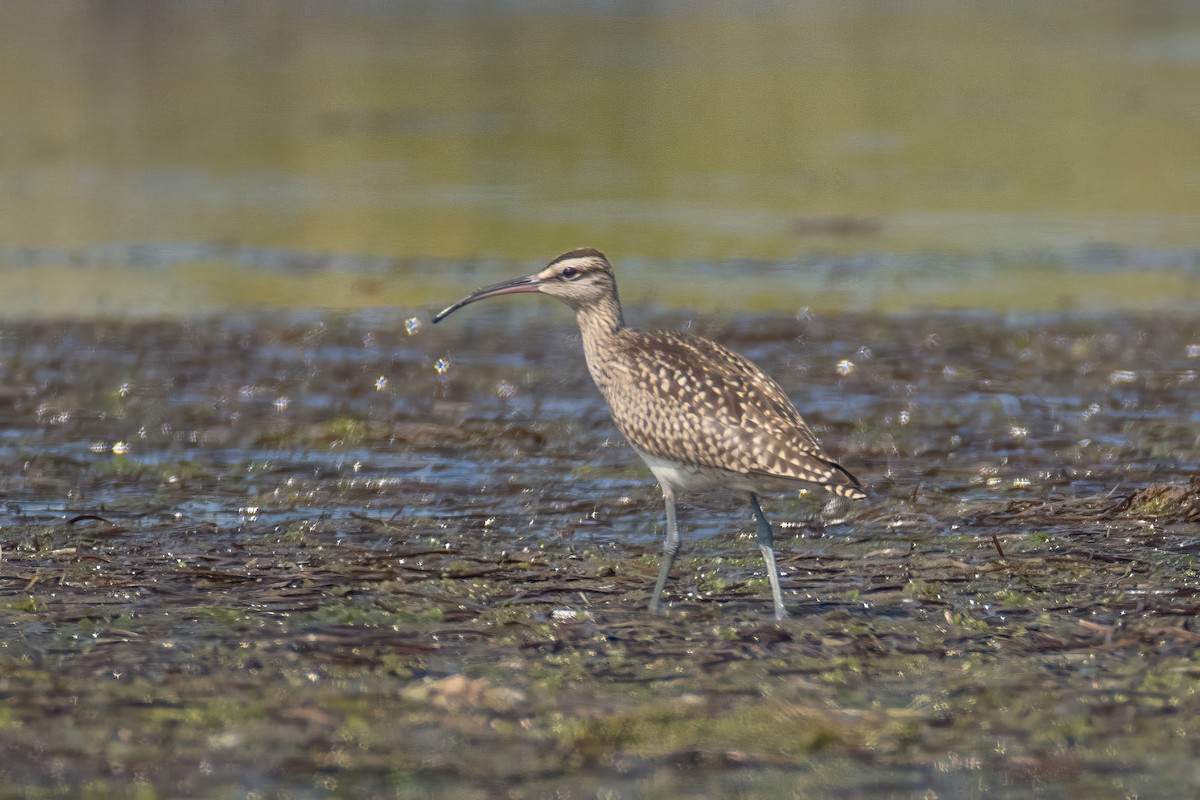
x: 687, y: 478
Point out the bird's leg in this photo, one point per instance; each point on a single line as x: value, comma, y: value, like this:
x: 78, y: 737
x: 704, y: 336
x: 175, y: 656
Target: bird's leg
x: 766, y: 543
x: 670, y: 547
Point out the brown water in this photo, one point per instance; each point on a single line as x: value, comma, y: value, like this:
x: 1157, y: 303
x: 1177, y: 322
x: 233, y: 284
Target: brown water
x: 265, y: 530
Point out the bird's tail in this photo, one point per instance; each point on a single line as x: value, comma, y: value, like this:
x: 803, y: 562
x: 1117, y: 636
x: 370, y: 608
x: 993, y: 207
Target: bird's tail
x: 843, y: 484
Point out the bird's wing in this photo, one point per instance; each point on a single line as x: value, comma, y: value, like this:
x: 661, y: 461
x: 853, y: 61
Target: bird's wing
x: 691, y: 397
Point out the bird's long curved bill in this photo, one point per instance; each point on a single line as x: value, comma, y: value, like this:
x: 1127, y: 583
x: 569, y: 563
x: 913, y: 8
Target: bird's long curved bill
x: 529, y: 283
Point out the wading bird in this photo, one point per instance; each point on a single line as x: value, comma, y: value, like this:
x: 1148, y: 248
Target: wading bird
x: 700, y: 416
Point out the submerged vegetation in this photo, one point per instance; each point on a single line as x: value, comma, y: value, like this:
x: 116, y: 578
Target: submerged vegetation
x: 293, y: 556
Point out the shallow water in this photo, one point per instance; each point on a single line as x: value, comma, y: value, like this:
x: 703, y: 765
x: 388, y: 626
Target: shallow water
x: 290, y: 553
x: 501, y: 399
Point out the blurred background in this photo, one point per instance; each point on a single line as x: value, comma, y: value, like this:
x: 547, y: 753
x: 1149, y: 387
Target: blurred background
x: 166, y: 158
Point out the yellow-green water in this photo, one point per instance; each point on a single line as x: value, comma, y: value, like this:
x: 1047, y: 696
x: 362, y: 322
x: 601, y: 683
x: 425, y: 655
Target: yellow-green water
x: 1007, y: 140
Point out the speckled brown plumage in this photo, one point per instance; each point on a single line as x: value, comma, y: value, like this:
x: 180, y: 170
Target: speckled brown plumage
x: 701, y: 416
x: 684, y: 398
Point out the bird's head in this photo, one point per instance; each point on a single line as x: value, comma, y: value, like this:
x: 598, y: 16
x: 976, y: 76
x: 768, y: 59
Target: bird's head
x: 580, y: 278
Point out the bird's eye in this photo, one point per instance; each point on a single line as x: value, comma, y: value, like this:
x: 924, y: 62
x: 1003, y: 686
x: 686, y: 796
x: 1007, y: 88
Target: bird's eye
x: 570, y: 273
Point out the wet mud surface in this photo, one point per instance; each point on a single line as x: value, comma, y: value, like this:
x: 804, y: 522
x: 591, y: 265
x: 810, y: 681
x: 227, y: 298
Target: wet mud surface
x: 314, y: 554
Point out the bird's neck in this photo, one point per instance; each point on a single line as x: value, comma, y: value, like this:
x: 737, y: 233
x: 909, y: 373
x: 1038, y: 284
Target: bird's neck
x: 600, y: 321
x: 601, y: 325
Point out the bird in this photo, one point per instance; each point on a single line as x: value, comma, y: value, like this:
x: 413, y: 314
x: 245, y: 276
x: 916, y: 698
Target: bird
x: 702, y: 417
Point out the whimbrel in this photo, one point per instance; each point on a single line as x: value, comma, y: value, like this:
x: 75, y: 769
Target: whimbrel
x: 700, y: 416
